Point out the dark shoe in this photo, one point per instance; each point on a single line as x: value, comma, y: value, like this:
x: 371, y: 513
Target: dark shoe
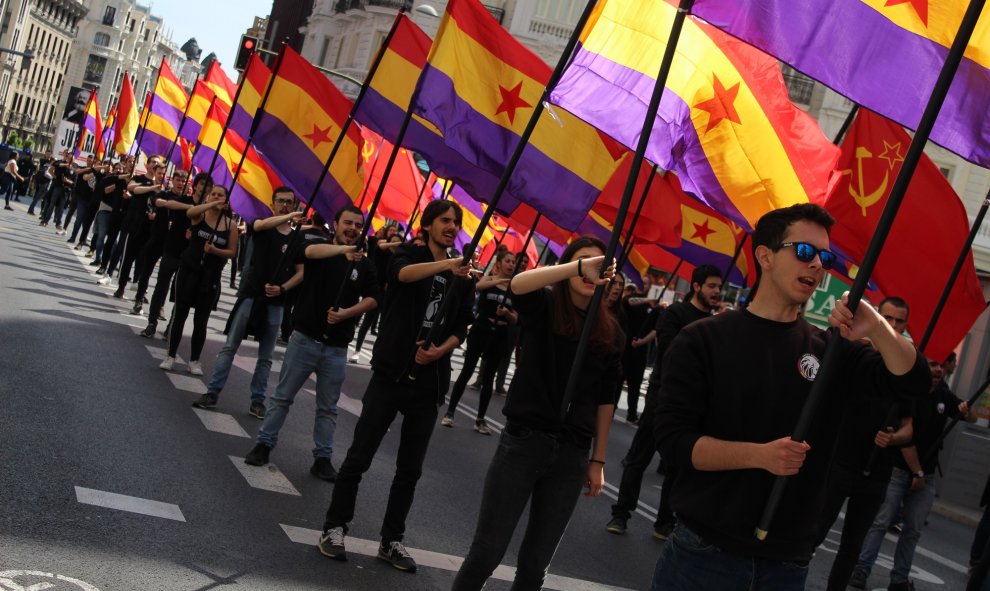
x: 896, y: 528
x: 136, y: 310
x: 206, y: 401
x: 632, y: 420
x: 482, y: 427
x: 323, y: 469
x: 95, y: 264
x: 149, y: 331
x: 332, y: 544
x: 257, y: 410
x: 258, y: 456
x: 102, y: 270
x: 501, y: 391
x: 905, y: 586
x: 617, y: 526
x: 396, y: 554
x: 8, y: 208
x: 857, y: 579
x: 476, y: 385
x: 663, y: 531
x: 119, y: 294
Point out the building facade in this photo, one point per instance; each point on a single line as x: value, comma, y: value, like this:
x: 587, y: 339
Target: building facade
x: 30, y: 98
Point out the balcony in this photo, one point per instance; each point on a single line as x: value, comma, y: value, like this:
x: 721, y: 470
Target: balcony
x: 540, y: 28
x: 799, y: 86
x: 346, y: 5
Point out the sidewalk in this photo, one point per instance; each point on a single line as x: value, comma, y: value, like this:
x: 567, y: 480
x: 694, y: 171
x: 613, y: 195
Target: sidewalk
x: 959, y: 513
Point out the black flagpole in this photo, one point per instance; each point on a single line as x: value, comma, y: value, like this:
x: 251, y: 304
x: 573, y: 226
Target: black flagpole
x: 735, y: 257
x: 182, y: 124
x: 644, y: 139
x: 565, y: 58
x: 914, y: 154
x: 846, y: 124
x: 237, y: 96
x: 529, y: 239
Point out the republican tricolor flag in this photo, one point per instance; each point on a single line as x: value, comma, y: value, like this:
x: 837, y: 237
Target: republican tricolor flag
x: 91, y: 126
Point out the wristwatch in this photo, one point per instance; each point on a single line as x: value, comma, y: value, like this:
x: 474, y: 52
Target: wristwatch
x: 919, y: 474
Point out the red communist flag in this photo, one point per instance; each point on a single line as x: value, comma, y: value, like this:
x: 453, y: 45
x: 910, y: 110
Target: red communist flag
x: 926, y: 237
x: 405, y: 185
x: 660, y: 218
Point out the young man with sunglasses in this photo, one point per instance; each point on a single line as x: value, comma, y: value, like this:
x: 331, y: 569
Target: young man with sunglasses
x: 258, y: 309
x: 732, y: 390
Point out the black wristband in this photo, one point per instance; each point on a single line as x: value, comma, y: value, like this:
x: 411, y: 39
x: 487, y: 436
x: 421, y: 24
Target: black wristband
x: 594, y: 461
x: 580, y: 274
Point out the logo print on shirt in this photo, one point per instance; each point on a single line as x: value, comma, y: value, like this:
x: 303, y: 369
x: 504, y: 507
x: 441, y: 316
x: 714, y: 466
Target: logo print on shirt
x: 941, y: 408
x: 354, y: 275
x: 808, y: 366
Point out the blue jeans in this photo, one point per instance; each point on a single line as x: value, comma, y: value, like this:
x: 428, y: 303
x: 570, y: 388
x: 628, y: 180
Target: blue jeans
x: 235, y: 334
x: 688, y: 563
x: 100, y: 235
x: 532, y: 468
x: 304, y: 356
x: 917, y: 505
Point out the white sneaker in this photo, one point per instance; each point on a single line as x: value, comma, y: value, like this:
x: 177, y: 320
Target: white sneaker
x: 168, y: 363
x: 447, y: 421
x: 195, y: 368
x: 355, y: 358
x: 106, y: 280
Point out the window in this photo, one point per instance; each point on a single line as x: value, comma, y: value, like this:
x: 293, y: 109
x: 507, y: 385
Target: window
x: 147, y: 34
x: 323, y: 51
x: 132, y: 25
x: 95, y: 68
x: 102, y: 40
x: 946, y: 172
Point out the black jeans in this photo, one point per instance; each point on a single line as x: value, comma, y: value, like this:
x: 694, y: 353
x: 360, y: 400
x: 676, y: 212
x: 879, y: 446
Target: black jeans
x: 369, y: 321
x: 487, y: 341
x: 529, y: 467
x: 383, y: 400
x: 865, y: 497
x: 637, y: 460
x: 56, y: 202
x: 133, y: 247
x: 41, y: 189
x: 633, y: 368
x: 166, y: 271
x: 145, y: 265
x: 195, y: 290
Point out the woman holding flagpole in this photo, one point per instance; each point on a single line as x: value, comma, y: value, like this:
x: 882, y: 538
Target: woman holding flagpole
x: 547, y: 453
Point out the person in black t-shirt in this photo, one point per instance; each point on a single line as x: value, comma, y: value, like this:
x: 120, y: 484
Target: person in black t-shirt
x: 258, y: 309
x: 640, y: 319
x: 63, y: 179
x: 175, y: 242
x: 732, y: 389
x: 543, y: 457
x: 319, y: 342
x: 136, y: 228
x: 147, y: 259
x: 850, y: 475
x: 486, y: 339
x: 706, y: 289
x: 197, y: 284
x: 82, y: 196
x: 380, y: 249
x: 41, y: 180
x: 912, y: 483
x: 406, y: 378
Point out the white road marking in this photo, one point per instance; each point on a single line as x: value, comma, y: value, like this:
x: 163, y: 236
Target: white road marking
x: 7, y: 581
x: 219, y: 422
x: 446, y: 562
x: 120, y: 502
x: 186, y: 383
x: 265, y: 477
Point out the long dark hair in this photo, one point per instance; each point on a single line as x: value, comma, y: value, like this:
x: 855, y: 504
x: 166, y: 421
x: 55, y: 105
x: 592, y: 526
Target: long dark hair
x: 568, y: 320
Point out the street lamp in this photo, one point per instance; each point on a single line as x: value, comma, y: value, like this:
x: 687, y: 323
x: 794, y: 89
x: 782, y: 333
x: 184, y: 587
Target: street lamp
x: 427, y: 10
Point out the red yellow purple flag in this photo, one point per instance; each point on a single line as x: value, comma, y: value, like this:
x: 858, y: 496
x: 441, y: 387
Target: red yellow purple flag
x: 126, y: 124
x: 298, y: 126
x: 726, y: 125
x: 404, y: 189
x: 480, y: 86
x: 107, y: 140
x: 199, y: 106
x: 163, y: 115
x: 221, y: 84
x: 882, y: 54
x: 253, y: 85
x: 91, y: 127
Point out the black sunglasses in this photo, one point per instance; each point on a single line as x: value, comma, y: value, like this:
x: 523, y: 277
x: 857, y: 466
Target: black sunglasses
x: 806, y: 253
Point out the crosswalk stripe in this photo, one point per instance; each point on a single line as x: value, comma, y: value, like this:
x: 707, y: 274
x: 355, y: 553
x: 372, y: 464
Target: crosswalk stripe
x: 446, y: 562
x: 265, y: 477
x: 219, y: 422
x: 186, y: 383
x: 127, y: 503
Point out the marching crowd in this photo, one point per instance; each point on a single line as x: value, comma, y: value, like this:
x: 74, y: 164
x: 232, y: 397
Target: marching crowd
x: 723, y: 396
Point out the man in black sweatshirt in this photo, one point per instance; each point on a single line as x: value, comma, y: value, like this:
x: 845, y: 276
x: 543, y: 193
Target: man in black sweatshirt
x: 706, y: 289
x: 732, y: 389
x: 406, y: 378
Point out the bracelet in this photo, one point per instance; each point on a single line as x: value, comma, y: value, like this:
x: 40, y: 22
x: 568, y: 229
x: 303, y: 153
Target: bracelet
x: 580, y: 274
x: 597, y: 461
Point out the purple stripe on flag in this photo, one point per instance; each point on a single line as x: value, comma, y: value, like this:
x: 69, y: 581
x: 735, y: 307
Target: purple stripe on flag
x: 220, y: 173
x: 547, y: 185
x: 246, y: 206
x: 698, y: 255
x: 855, y: 50
x: 587, y: 91
x: 167, y: 112
x: 152, y: 143
x: 190, y: 130
x: 240, y: 121
x: 385, y: 118
x: 295, y: 163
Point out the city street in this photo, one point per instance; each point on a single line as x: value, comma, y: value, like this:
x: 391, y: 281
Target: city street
x: 112, y: 481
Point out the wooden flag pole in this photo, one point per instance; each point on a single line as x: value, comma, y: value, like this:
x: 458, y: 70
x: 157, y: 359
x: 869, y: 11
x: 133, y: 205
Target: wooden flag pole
x: 644, y: 140
x: 828, y: 364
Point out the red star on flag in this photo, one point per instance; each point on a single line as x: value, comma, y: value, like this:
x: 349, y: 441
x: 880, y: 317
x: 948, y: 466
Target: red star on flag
x: 511, y: 101
x: 319, y: 136
x: 920, y: 7
x: 702, y: 231
x: 720, y: 107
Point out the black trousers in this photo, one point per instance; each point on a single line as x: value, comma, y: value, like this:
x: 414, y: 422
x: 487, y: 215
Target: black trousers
x: 637, y: 460
x: 166, y: 271
x: 145, y: 265
x: 135, y: 243
x: 865, y: 497
x: 383, y: 400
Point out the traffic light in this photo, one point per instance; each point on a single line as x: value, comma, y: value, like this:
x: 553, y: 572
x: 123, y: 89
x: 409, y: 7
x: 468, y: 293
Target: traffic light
x: 248, y: 46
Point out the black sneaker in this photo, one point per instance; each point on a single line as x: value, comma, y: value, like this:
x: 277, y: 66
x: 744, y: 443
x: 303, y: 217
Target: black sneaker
x: 257, y: 410
x: 206, y: 401
x: 95, y: 264
x: 136, y: 310
x: 663, y: 531
x: 617, y: 526
x: 332, y: 544
x: 857, y: 579
x: 258, y: 456
x: 396, y: 554
x: 119, y: 294
x: 903, y: 586
x: 149, y: 331
x: 101, y: 271
x: 323, y: 469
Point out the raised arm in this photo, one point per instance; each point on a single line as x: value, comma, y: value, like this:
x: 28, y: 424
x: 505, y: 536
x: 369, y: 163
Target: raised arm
x: 275, y: 221
x: 534, y: 279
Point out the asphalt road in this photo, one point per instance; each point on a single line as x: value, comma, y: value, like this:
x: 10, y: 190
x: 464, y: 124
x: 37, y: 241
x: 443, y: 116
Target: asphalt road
x: 111, y: 481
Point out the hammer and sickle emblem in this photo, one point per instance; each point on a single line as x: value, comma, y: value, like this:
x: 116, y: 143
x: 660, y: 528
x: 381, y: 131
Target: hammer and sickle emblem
x: 367, y: 151
x: 862, y: 198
